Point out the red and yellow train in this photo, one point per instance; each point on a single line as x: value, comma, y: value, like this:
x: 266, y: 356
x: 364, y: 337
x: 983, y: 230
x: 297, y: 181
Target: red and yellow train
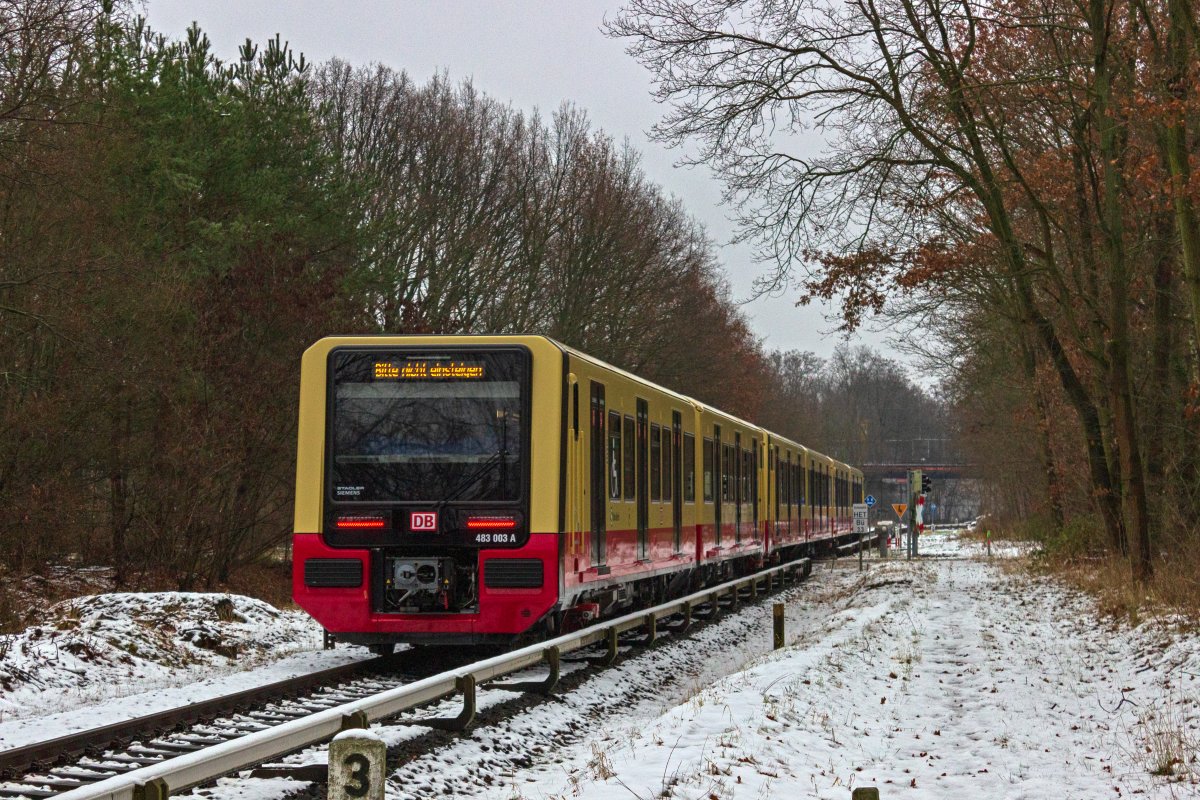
x: 471, y: 489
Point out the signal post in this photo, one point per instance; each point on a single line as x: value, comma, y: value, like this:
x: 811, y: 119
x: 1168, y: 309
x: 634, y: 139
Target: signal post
x: 915, y: 502
x: 919, y: 486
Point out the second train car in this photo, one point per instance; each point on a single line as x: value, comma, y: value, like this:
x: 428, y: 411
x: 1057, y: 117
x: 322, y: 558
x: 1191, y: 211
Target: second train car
x: 472, y: 489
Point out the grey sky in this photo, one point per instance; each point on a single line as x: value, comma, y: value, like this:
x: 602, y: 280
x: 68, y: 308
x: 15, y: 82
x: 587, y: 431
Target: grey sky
x: 532, y: 54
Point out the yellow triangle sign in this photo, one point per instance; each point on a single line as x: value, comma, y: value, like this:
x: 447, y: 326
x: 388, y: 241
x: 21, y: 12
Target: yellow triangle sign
x: 900, y: 508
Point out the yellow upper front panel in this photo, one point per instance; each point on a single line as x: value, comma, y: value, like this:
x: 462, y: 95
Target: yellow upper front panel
x: 545, y: 432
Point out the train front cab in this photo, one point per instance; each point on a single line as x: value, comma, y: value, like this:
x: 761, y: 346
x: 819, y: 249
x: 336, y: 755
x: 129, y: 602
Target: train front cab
x: 427, y: 489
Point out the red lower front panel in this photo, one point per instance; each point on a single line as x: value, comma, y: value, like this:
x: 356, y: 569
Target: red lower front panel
x: 501, y: 611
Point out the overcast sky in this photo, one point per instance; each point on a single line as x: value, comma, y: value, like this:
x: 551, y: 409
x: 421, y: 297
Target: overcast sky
x: 530, y: 54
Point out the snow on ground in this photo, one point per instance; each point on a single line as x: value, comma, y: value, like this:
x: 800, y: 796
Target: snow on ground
x: 953, y: 544
x: 940, y: 677
x: 108, y: 657
x: 927, y: 679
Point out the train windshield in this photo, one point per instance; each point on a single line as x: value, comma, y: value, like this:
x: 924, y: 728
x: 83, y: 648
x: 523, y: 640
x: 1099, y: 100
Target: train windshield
x: 428, y: 427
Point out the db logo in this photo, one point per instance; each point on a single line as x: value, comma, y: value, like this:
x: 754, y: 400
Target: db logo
x: 423, y: 521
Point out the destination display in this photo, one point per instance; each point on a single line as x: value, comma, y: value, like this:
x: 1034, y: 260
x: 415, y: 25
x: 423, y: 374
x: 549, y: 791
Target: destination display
x: 428, y: 370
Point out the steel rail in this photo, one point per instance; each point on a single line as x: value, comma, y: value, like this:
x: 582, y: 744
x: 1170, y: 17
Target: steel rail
x: 157, y: 781
x: 16, y: 759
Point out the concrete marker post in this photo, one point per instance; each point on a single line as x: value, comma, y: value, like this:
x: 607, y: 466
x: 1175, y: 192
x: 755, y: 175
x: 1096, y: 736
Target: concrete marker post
x: 357, y: 766
x: 865, y: 793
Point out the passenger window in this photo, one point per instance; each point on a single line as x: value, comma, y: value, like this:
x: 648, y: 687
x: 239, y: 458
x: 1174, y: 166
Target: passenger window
x: 614, y: 455
x: 627, y: 455
x: 689, y: 468
x: 655, y: 462
x: 708, y: 470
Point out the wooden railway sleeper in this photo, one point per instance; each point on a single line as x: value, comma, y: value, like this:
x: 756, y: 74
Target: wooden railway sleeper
x: 81, y: 773
x: 202, y: 739
x: 138, y: 761
x: 49, y: 781
x: 144, y: 750
x: 466, y: 685
x: 178, y: 747
x: 37, y: 794
x: 113, y: 766
x: 553, y: 658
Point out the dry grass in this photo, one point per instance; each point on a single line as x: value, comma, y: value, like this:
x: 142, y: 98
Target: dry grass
x: 1174, y: 589
x: 271, y: 583
x: 25, y: 599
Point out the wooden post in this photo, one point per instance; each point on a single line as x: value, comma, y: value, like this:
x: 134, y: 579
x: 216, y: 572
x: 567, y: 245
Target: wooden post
x: 154, y: 789
x: 357, y: 765
x: 778, y: 615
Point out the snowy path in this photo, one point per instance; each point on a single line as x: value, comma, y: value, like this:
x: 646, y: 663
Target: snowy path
x: 935, y: 679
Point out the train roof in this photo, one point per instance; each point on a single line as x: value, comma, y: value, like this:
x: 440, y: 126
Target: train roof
x: 699, y: 404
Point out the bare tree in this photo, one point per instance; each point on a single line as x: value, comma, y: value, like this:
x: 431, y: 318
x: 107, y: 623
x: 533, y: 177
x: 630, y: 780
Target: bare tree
x: 903, y: 94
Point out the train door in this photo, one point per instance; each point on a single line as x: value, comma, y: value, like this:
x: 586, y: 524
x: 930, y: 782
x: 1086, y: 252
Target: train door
x: 754, y: 467
x: 775, y: 486
x: 825, y: 495
x: 643, y: 477
x: 614, y: 475
x: 718, y: 481
x: 739, y: 467
x: 787, y: 484
x: 598, y: 480
x: 811, y: 505
x: 676, y: 481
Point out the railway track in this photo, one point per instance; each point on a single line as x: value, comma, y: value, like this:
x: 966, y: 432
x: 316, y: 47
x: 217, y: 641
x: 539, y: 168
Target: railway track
x: 179, y: 749
x: 48, y: 768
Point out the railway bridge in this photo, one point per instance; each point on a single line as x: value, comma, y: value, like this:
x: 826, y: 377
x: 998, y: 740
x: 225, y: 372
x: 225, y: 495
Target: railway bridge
x: 955, y: 496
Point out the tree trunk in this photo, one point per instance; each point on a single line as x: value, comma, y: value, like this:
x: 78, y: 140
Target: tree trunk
x: 1112, y: 151
x: 1178, y: 165
x: 1053, y: 483
x: 118, y: 485
x: 1159, y: 393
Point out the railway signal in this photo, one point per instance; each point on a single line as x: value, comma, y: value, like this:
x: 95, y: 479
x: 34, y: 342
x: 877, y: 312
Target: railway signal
x: 926, y: 484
